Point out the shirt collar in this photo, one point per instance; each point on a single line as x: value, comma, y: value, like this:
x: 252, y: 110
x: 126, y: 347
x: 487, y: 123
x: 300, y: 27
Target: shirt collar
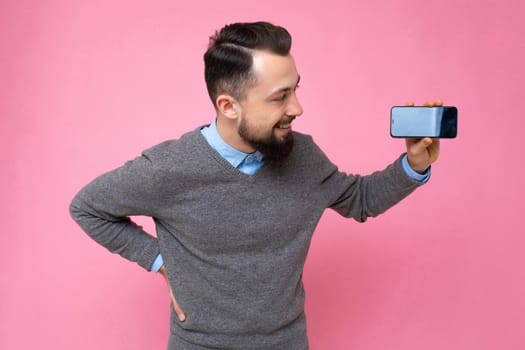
x: 232, y: 155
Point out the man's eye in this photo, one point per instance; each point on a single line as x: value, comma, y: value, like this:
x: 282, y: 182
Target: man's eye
x: 282, y: 97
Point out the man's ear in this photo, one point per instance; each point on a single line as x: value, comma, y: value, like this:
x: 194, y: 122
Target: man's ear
x: 227, y: 106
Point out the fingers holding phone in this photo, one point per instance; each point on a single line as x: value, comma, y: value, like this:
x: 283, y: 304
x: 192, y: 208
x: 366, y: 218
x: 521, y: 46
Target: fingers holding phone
x: 422, y: 153
x: 422, y: 127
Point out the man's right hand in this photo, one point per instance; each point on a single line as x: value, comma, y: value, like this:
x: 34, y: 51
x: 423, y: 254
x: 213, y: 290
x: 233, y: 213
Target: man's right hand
x: 176, y: 306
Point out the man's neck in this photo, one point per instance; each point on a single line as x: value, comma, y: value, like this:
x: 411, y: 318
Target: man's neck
x: 227, y: 129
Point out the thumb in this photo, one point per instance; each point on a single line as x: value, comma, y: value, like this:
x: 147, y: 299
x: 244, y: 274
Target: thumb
x: 423, y: 144
x: 178, y: 310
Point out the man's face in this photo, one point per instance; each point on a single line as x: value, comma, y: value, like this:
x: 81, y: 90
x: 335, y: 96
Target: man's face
x: 270, y: 106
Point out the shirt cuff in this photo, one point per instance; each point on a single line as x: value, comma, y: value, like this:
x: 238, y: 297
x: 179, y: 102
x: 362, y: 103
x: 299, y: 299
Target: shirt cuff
x: 157, y: 264
x: 423, y: 178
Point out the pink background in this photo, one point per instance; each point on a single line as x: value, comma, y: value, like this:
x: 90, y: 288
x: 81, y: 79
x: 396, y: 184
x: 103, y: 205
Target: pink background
x: 86, y: 85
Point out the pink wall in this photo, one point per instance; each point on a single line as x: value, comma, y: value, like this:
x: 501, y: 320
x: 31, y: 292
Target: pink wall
x: 86, y: 85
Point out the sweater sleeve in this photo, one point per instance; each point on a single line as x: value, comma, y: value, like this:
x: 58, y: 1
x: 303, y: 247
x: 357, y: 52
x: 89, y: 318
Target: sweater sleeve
x: 356, y: 196
x: 360, y: 197
x: 102, y: 209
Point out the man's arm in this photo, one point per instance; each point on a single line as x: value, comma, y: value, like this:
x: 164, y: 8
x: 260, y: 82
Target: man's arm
x: 361, y: 197
x: 102, y: 209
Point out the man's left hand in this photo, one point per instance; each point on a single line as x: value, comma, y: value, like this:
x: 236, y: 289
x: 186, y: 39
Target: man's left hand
x: 423, y: 152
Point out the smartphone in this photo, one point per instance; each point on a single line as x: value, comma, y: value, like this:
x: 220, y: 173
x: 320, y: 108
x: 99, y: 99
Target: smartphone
x: 420, y: 121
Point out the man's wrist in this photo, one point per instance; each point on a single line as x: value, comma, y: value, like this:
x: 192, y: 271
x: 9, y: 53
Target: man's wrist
x: 157, y: 264
x: 412, y: 173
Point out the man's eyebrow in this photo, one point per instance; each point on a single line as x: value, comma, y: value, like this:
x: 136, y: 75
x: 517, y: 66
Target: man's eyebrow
x: 287, y: 88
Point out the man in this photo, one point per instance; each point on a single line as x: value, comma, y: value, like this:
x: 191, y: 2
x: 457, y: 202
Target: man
x: 235, y: 202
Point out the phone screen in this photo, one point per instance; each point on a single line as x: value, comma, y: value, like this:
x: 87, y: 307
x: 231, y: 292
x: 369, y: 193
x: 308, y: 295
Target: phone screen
x: 420, y: 121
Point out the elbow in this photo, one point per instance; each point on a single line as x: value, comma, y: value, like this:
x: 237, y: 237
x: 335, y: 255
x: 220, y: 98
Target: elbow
x: 75, y: 209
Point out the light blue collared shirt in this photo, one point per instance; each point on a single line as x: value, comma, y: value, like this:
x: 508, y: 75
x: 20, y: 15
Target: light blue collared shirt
x: 249, y: 163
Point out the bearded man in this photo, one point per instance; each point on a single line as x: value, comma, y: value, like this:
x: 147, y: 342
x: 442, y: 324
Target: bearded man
x: 235, y: 202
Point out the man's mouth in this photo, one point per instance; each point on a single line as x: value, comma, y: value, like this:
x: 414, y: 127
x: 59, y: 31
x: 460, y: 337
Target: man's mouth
x: 287, y: 124
x: 284, y: 126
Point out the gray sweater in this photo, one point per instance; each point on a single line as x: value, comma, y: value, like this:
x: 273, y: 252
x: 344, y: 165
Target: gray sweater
x: 233, y: 245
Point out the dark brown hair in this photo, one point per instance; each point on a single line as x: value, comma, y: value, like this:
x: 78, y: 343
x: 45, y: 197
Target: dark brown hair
x: 229, y: 58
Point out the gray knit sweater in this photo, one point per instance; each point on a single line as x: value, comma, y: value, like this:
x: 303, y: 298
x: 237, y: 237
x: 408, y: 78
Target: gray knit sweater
x: 233, y: 245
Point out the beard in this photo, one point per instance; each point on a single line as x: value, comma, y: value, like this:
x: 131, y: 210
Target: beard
x: 271, y: 147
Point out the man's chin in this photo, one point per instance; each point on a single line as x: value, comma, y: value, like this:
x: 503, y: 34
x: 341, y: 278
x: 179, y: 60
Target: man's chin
x: 277, y: 149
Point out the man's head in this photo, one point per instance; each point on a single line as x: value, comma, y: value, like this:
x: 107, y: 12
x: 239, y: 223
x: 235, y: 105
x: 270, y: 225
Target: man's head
x: 251, y: 79
x: 229, y: 59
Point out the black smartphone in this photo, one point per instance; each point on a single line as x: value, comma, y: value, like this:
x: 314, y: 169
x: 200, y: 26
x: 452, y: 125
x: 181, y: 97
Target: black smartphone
x: 421, y: 121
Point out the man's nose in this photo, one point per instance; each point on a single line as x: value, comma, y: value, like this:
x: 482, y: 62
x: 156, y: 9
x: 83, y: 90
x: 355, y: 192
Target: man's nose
x: 294, y: 107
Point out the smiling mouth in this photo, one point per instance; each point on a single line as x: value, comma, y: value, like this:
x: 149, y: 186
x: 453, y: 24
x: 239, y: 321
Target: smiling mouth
x: 284, y: 126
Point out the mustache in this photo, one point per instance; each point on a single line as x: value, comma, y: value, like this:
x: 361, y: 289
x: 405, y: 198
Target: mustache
x: 287, y: 120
